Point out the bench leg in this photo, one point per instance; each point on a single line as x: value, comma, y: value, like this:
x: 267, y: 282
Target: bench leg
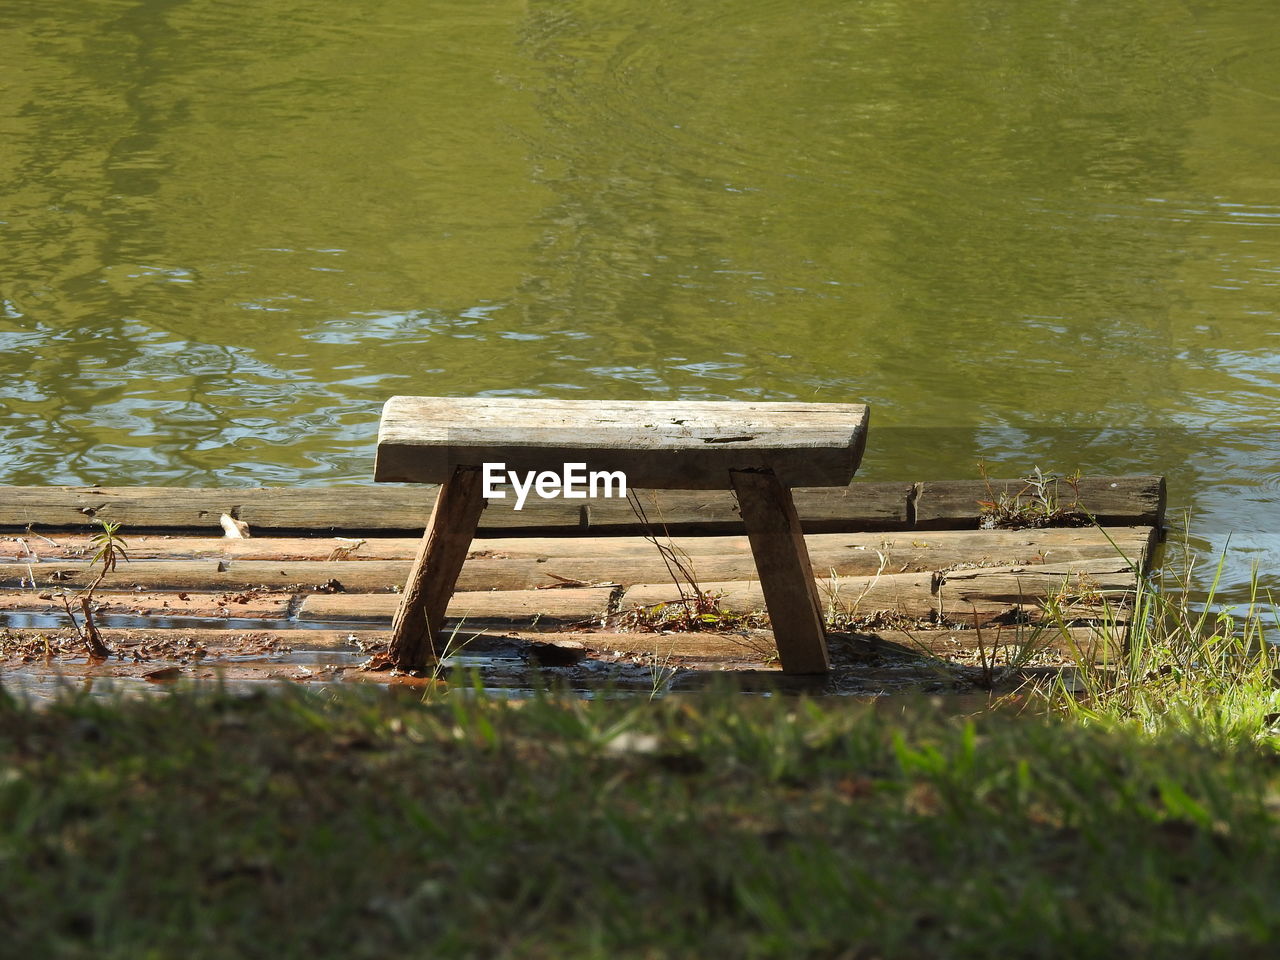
x: 435, y: 571
x: 786, y: 575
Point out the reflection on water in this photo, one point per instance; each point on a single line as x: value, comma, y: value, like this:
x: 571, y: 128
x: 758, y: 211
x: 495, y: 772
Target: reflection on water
x: 1028, y: 233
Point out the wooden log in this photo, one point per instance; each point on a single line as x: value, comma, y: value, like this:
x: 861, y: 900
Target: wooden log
x: 854, y: 553
x: 786, y: 575
x: 356, y: 509
x: 216, y: 640
x: 750, y: 646
x: 861, y: 506
x: 757, y: 645
x: 197, y: 508
x: 549, y: 607
x: 435, y: 570
x: 746, y: 645
x: 211, y: 575
x: 1001, y: 641
x: 620, y: 558
x: 235, y: 641
x: 167, y: 672
x: 980, y: 595
x: 685, y: 445
x: 213, y: 605
x: 1111, y: 500
x: 526, y: 565
x: 983, y: 594
x: 368, y: 576
x: 63, y: 545
x: 512, y: 564
x: 910, y: 595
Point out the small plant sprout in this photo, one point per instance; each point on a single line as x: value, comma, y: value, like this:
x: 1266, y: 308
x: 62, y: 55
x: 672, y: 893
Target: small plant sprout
x: 1038, y: 503
x: 840, y: 615
x: 437, y: 684
x: 696, y: 609
x: 110, y: 551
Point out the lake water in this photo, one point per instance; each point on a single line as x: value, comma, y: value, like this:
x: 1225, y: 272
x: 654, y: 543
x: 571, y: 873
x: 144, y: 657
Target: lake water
x: 1034, y: 233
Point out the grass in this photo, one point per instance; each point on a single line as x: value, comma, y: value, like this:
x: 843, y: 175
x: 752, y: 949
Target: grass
x: 1131, y: 809
x: 1039, y: 502
x: 111, y: 550
x: 695, y: 609
x: 295, y: 824
x: 1188, y: 663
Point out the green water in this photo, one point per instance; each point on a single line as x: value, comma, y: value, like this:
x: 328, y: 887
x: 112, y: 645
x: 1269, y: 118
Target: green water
x: 1034, y: 232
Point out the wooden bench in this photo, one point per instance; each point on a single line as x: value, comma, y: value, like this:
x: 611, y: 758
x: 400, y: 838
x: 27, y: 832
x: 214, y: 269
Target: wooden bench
x: 759, y: 450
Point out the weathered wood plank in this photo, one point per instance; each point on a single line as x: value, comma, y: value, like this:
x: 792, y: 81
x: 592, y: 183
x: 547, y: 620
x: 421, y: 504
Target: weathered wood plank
x: 1001, y: 640
x: 70, y: 546
x: 216, y: 643
x: 945, y: 504
x: 870, y: 506
x: 218, y: 640
x: 220, y: 605
x: 747, y: 646
x: 212, y: 575
x: 757, y: 645
x: 908, y: 594
x: 786, y: 574
x: 435, y: 569
x: 584, y: 604
x: 656, y: 443
x: 621, y: 558
x: 985, y: 591
x: 875, y: 506
x: 979, y: 595
x: 513, y: 564
x: 196, y: 508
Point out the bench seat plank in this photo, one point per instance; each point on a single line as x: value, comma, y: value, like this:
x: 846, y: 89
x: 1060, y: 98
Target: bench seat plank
x: 658, y: 444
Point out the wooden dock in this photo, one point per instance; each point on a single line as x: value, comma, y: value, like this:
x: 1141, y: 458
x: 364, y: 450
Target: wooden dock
x: 897, y: 564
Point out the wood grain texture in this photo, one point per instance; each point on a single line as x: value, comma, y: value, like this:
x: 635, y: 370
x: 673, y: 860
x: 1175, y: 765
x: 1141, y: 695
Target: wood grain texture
x: 982, y: 595
x: 858, y: 507
x: 943, y: 504
x: 158, y: 604
x: 180, y: 560
x: 518, y: 564
x: 739, y: 647
x: 217, y: 639
x: 786, y: 575
x: 658, y: 444
x: 910, y: 595
x: 435, y: 570
x: 1086, y: 641
x: 966, y: 597
x: 551, y: 607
